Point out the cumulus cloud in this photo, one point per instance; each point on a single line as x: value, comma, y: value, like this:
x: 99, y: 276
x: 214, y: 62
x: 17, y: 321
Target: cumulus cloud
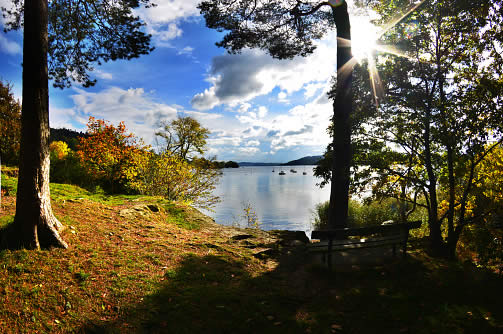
x: 163, y: 20
x: 305, y: 129
x: 240, y: 78
x: 8, y: 46
x: 283, y: 97
x: 138, y: 109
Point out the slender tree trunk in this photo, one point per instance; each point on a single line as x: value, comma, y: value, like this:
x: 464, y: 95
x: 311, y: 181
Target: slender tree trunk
x: 339, y: 191
x: 35, y: 225
x: 436, y: 241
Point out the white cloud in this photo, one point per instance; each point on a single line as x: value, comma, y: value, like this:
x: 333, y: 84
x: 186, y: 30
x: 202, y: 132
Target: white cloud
x: 170, y: 10
x: 163, y: 20
x: 136, y: 108
x: 312, y: 88
x: 186, y: 51
x: 262, y: 112
x: 253, y: 143
x: 283, y: 97
x: 166, y: 35
x: 8, y: 46
x: 103, y: 75
x: 240, y: 78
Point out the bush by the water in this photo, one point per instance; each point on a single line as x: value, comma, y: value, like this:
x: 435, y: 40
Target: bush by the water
x: 360, y: 214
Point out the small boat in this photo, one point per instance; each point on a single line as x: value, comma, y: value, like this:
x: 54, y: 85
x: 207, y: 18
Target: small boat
x: 281, y: 173
x: 304, y: 173
x: 293, y: 171
x: 273, y: 170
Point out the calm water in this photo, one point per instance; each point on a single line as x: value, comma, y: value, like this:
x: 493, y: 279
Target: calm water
x: 280, y: 201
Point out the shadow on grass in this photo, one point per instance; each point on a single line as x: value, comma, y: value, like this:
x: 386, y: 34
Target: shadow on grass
x: 216, y: 294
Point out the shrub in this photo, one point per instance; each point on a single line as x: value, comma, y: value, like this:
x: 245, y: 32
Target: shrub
x: 174, y: 178
x: 111, y: 155
x: 359, y: 214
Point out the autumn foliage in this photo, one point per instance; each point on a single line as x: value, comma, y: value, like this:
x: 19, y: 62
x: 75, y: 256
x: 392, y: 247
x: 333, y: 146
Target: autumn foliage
x: 110, y: 154
x: 10, y: 125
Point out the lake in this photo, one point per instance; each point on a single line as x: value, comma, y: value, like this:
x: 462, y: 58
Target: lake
x: 280, y: 201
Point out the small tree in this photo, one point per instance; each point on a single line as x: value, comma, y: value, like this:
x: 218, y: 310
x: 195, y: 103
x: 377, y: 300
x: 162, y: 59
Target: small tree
x: 110, y: 154
x: 174, y: 178
x: 184, y: 136
x: 10, y: 125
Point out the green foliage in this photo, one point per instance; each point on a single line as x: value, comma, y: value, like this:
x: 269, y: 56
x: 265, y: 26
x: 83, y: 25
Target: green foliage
x: 174, y: 178
x: 250, y: 216
x: 363, y: 214
x: 184, y: 136
x: 85, y: 32
x: 486, y: 242
x: 284, y: 28
x: 69, y: 170
x: 426, y: 140
x: 10, y: 126
x: 9, y: 183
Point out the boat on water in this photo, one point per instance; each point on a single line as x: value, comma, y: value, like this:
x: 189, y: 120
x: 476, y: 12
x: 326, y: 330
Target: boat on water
x: 304, y: 173
x: 281, y: 173
x: 273, y: 170
x: 293, y: 171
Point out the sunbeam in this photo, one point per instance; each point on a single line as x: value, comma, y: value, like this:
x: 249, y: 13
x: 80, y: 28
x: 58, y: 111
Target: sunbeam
x: 365, y: 44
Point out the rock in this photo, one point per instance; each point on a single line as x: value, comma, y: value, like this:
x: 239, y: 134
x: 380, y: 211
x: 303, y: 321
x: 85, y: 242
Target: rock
x: 242, y: 236
x: 153, y: 208
x: 263, y: 253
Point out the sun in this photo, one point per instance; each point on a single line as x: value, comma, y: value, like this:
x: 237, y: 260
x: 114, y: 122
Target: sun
x: 364, y: 37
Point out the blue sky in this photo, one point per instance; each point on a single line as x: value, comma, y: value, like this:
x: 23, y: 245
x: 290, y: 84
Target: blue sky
x: 257, y: 108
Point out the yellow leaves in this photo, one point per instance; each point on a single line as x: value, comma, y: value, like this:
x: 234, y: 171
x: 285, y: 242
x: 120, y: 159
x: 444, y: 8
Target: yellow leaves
x: 59, y: 150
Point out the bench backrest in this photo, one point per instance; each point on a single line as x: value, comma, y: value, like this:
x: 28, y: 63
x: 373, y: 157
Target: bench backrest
x: 363, y: 231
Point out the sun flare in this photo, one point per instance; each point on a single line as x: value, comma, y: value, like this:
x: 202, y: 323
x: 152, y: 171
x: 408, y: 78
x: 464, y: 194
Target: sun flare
x: 364, y: 39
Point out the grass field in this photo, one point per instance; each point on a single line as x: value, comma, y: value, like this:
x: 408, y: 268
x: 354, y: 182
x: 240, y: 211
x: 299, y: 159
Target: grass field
x: 144, y: 265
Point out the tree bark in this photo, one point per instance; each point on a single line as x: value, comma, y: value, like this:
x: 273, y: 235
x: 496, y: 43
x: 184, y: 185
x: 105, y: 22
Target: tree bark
x: 35, y: 225
x: 339, y: 191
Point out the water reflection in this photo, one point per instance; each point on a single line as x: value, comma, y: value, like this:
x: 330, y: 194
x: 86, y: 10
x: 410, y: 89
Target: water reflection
x: 280, y: 201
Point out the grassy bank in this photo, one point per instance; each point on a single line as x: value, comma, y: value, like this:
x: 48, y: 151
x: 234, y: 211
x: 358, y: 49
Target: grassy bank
x: 141, y: 265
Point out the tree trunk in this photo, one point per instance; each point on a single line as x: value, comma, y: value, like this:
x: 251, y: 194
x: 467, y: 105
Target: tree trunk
x: 339, y: 191
x: 35, y: 225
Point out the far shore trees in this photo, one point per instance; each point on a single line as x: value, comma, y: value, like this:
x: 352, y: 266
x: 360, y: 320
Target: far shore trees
x: 74, y: 34
x: 287, y: 29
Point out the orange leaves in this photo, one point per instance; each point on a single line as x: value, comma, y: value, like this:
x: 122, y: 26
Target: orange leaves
x: 110, y: 153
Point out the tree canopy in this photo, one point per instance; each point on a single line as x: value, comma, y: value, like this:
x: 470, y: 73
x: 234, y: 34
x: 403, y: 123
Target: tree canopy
x: 441, y: 114
x: 10, y: 125
x: 184, y: 136
x: 85, y: 33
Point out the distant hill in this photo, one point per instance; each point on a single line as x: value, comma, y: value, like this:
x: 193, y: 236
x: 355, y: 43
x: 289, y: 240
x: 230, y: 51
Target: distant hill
x: 253, y: 164
x: 310, y: 160
x: 66, y: 135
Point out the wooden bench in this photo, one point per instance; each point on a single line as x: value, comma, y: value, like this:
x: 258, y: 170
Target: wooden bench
x: 394, y: 235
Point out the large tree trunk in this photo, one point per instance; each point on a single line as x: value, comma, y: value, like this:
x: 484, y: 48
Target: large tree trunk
x: 339, y: 191
x: 35, y: 225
